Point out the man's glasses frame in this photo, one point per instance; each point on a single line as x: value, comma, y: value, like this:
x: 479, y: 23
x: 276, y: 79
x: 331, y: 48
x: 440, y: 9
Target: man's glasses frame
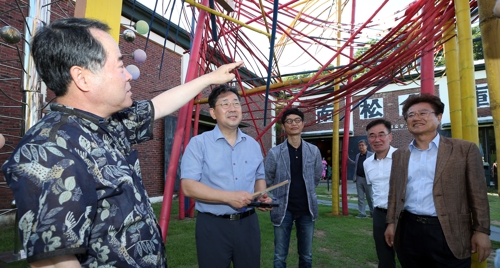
x: 226, y: 105
x: 297, y: 120
x: 420, y: 114
x: 380, y: 136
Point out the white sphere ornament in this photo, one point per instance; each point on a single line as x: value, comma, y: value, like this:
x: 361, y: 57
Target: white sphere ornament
x: 134, y: 71
x: 2, y: 141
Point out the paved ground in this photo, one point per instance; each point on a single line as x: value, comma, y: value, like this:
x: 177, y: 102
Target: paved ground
x: 351, y: 189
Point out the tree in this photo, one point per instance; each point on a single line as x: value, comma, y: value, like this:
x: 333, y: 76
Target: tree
x: 477, y: 45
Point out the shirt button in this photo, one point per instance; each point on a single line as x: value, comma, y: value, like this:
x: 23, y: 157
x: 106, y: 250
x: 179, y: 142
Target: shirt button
x: 234, y: 164
x: 236, y: 178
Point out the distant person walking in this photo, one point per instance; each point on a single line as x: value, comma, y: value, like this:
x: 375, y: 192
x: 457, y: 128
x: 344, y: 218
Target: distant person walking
x: 325, y: 167
x: 362, y: 187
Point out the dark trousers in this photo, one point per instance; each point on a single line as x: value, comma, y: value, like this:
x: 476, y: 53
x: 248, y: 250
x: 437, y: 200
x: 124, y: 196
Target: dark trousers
x: 222, y: 241
x: 386, y: 255
x: 422, y: 244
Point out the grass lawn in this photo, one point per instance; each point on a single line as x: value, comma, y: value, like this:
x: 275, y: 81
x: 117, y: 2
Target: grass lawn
x: 339, y: 241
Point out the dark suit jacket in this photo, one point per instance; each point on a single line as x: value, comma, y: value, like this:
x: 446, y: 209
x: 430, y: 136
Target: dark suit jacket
x: 459, y: 192
x: 355, y: 163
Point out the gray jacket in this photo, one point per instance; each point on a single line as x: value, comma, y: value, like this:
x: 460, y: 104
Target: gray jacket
x: 277, y: 168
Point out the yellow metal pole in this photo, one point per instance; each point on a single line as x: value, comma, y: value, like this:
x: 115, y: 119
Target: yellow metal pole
x: 209, y: 10
x: 466, y: 63
x: 109, y: 11
x: 335, y: 134
x: 490, y: 33
x: 467, y: 83
x: 453, y: 79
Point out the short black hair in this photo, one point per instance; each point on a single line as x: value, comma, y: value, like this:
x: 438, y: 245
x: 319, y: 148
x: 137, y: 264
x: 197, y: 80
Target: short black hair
x: 380, y: 121
x: 290, y: 111
x: 434, y: 101
x: 220, y: 89
x: 363, y: 141
x: 63, y: 44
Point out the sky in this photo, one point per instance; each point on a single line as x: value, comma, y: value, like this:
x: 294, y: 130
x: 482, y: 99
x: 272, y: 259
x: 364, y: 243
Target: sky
x: 293, y: 58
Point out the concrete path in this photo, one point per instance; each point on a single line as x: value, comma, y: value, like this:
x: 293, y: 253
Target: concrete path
x: 351, y: 189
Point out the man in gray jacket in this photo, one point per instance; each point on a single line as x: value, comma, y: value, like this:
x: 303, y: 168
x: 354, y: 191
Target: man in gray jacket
x: 299, y: 162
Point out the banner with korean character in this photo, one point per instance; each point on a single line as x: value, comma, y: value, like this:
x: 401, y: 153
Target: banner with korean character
x: 371, y: 108
x: 482, y: 96
x: 324, y: 114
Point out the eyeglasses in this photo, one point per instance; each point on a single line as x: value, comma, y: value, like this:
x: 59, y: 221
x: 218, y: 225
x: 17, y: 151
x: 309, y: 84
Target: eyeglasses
x: 420, y: 114
x: 380, y: 136
x: 226, y: 105
x: 296, y: 120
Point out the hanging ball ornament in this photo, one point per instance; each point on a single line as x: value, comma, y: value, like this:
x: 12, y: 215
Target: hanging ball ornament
x: 134, y: 71
x: 129, y: 35
x: 10, y: 34
x: 2, y: 141
x: 142, y: 27
x: 139, y: 56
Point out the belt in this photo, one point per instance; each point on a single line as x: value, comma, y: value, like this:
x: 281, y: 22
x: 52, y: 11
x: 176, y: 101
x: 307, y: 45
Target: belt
x: 382, y: 209
x: 421, y: 219
x: 232, y: 217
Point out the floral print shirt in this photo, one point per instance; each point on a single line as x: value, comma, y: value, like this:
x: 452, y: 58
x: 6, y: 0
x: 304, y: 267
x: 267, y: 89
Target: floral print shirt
x: 79, y: 190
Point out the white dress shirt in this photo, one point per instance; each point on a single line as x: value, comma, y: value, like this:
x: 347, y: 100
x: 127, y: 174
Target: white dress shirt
x: 377, y: 174
x: 421, y: 172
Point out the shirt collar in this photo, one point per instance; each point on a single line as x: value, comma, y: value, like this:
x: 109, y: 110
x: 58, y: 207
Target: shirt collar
x: 389, y: 154
x: 434, y: 141
x: 79, y: 113
x: 218, y: 134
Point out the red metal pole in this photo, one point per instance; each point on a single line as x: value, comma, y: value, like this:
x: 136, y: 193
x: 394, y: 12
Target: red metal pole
x: 187, y: 136
x: 427, y: 61
x: 347, y: 123
x: 179, y: 132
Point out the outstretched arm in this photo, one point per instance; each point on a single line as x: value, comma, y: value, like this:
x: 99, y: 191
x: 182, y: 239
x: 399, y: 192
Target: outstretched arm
x: 173, y: 99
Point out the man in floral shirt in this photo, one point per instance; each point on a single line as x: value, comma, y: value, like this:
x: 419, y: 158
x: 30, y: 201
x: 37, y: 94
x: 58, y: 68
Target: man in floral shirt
x: 75, y: 176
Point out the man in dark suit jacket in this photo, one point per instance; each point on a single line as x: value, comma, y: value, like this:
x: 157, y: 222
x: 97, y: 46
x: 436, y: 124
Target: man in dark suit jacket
x: 438, y: 211
x: 362, y: 186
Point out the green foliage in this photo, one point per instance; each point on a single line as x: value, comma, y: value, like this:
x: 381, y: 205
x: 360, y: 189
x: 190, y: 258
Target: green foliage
x: 494, y: 208
x: 295, y: 77
x: 477, y: 46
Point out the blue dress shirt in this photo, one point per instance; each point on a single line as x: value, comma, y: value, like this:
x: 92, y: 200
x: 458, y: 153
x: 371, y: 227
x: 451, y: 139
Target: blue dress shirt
x: 421, y: 171
x: 211, y: 160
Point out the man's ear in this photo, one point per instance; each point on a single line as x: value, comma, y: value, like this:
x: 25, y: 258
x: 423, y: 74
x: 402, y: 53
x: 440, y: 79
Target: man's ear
x: 80, y: 77
x: 212, y: 113
x: 439, y: 117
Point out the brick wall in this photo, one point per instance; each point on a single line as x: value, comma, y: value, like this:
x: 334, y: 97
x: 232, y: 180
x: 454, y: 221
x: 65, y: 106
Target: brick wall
x: 10, y: 92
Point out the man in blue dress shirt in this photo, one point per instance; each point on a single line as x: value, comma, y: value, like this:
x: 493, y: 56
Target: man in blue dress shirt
x: 221, y: 169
